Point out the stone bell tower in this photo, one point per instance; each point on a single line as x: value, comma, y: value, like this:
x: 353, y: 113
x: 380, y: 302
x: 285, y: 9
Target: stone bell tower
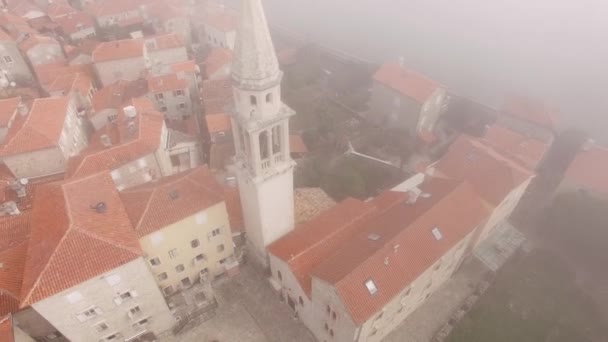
x: 261, y: 132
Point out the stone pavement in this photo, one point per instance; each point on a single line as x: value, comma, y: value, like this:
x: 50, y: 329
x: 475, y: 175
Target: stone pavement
x: 249, y: 310
x: 423, y: 323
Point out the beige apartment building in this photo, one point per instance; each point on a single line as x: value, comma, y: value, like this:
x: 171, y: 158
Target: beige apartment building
x: 85, y: 273
x: 183, y: 229
x: 40, y: 146
x: 359, y: 269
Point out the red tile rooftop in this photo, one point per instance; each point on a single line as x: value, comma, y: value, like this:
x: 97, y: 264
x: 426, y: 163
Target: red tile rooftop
x: 75, y: 22
x: 41, y: 129
x: 117, y: 94
x: 217, y: 96
x: 72, y: 240
x: 153, y: 206
x: 524, y: 150
x: 218, y: 123
x: 166, y: 83
x: 589, y: 169
x: 164, y: 42
x: 296, y: 144
x: 14, y: 238
x: 406, y: 82
x: 216, y: 60
x: 118, y: 49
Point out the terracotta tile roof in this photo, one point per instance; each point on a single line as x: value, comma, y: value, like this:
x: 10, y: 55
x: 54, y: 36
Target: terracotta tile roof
x: 309, y: 203
x: 115, y: 95
x: 530, y: 110
x: 165, y: 42
x: 217, y: 96
x: 5, y: 36
x: 42, y: 24
x: 59, y: 8
x: 526, y: 151
x: 79, y: 242
x: 126, y: 147
x: 118, y: 49
x: 492, y: 174
x: 222, y: 21
x: 164, y: 11
x: 34, y: 40
x: 405, y: 248
x: 296, y: 144
x: 218, y: 123
x: 186, y: 66
x: 235, y: 211
x: 47, y: 73
x: 589, y: 170
x: 8, y: 107
x: 217, y: 59
x: 164, y: 83
x: 315, y: 240
x: 14, y: 237
x: 406, y: 82
x: 75, y: 22
x: 42, y: 128
x: 6, y: 329
x: 151, y: 206
x: 67, y: 83
x: 25, y: 8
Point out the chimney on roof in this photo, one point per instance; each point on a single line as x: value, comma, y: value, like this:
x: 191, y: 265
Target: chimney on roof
x: 100, y: 207
x: 22, y: 109
x: 413, y: 195
x: 9, y: 209
x: 130, y: 112
x: 18, y: 185
x: 131, y: 128
x: 105, y: 140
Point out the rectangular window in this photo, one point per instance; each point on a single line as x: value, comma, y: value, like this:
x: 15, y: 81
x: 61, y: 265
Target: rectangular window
x: 215, y: 232
x: 163, y: 276
x: 159, y: 96
x: 200, y: 257
x: 101, y: 326
x: 179, y: 268
x: 113, y: 337
x: 173, y: 253
x: 175, y: 161
x: 8, y: 59
x: 136, y: 310
x: 178, y: 93
x: 182, y: 106
x: 163, y: 109
x: 220, y: 248
x: 155, y: 261
x: 168, y: 290
x: 195, y: 243
x: 89, y: 313
x: 371, y: 287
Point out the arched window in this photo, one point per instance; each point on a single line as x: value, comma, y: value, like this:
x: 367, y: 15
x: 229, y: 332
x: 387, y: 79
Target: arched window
x: 269, y: 98
x: 301, y: 301
x: 276, y: 139
x: 279, y: 275
x: 253, y: 100
x: 263, y: 145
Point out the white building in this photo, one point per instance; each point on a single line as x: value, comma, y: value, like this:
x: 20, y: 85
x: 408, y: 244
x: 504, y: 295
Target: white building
x: 261, y: 133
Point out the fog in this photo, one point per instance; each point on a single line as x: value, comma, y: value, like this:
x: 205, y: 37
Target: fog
x: 555, y: 50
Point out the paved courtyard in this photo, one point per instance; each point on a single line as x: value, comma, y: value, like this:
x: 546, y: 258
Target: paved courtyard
x: 249, y: 310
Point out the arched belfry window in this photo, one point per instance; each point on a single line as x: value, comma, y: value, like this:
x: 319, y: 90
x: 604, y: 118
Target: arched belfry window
x: 269, y: 98
x: 253, y: 100
x: 276, y: 139
x: 264, y: 145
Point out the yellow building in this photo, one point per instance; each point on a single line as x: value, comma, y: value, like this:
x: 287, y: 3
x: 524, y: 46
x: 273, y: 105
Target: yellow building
x: 183, y: 228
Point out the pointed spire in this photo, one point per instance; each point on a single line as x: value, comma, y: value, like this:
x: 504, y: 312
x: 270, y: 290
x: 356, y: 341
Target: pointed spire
x: 255, y: 64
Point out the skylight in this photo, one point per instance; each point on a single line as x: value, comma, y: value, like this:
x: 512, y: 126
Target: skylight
x: 371, y: 287
x: 373, y: 237
x: 437, y: 233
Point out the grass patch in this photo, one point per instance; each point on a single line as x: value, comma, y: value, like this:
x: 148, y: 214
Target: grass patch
x: 534, y: 299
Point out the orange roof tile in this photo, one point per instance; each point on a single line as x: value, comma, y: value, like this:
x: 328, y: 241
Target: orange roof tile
x: 216, y: 60
x: 532, y: 111
x: 8, y: 107
x: 296, y: 144
x: 406, y: 82
x: 42, y: 128
x: 6, y: 329
x: 186, y: 66
x: 492, y: 174
x: 218, y: 123
x: 217, y: 96
x: 222, y: 21
x: 67, y: 83
x: 405, y: 248
x: 47, y: 73
x: 126, y: 147
x: 71, y: 242
x: 111, y: 7
x: 118, y: 49
x: 151, y: 206
x: 14, y: 237
x: 75, y: 22
x: 589, y: 169
x: 165, y: 42
x: 170, y: 82
x: 526, y: 151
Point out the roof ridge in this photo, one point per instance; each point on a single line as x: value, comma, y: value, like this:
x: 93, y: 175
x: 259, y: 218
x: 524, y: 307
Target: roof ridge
x: 102, y: 239
x: 190, y: 178
x: 143, y: 213
x: 48, y: 262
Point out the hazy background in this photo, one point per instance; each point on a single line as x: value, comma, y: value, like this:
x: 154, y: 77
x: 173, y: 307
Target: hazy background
x: 556, y: 50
